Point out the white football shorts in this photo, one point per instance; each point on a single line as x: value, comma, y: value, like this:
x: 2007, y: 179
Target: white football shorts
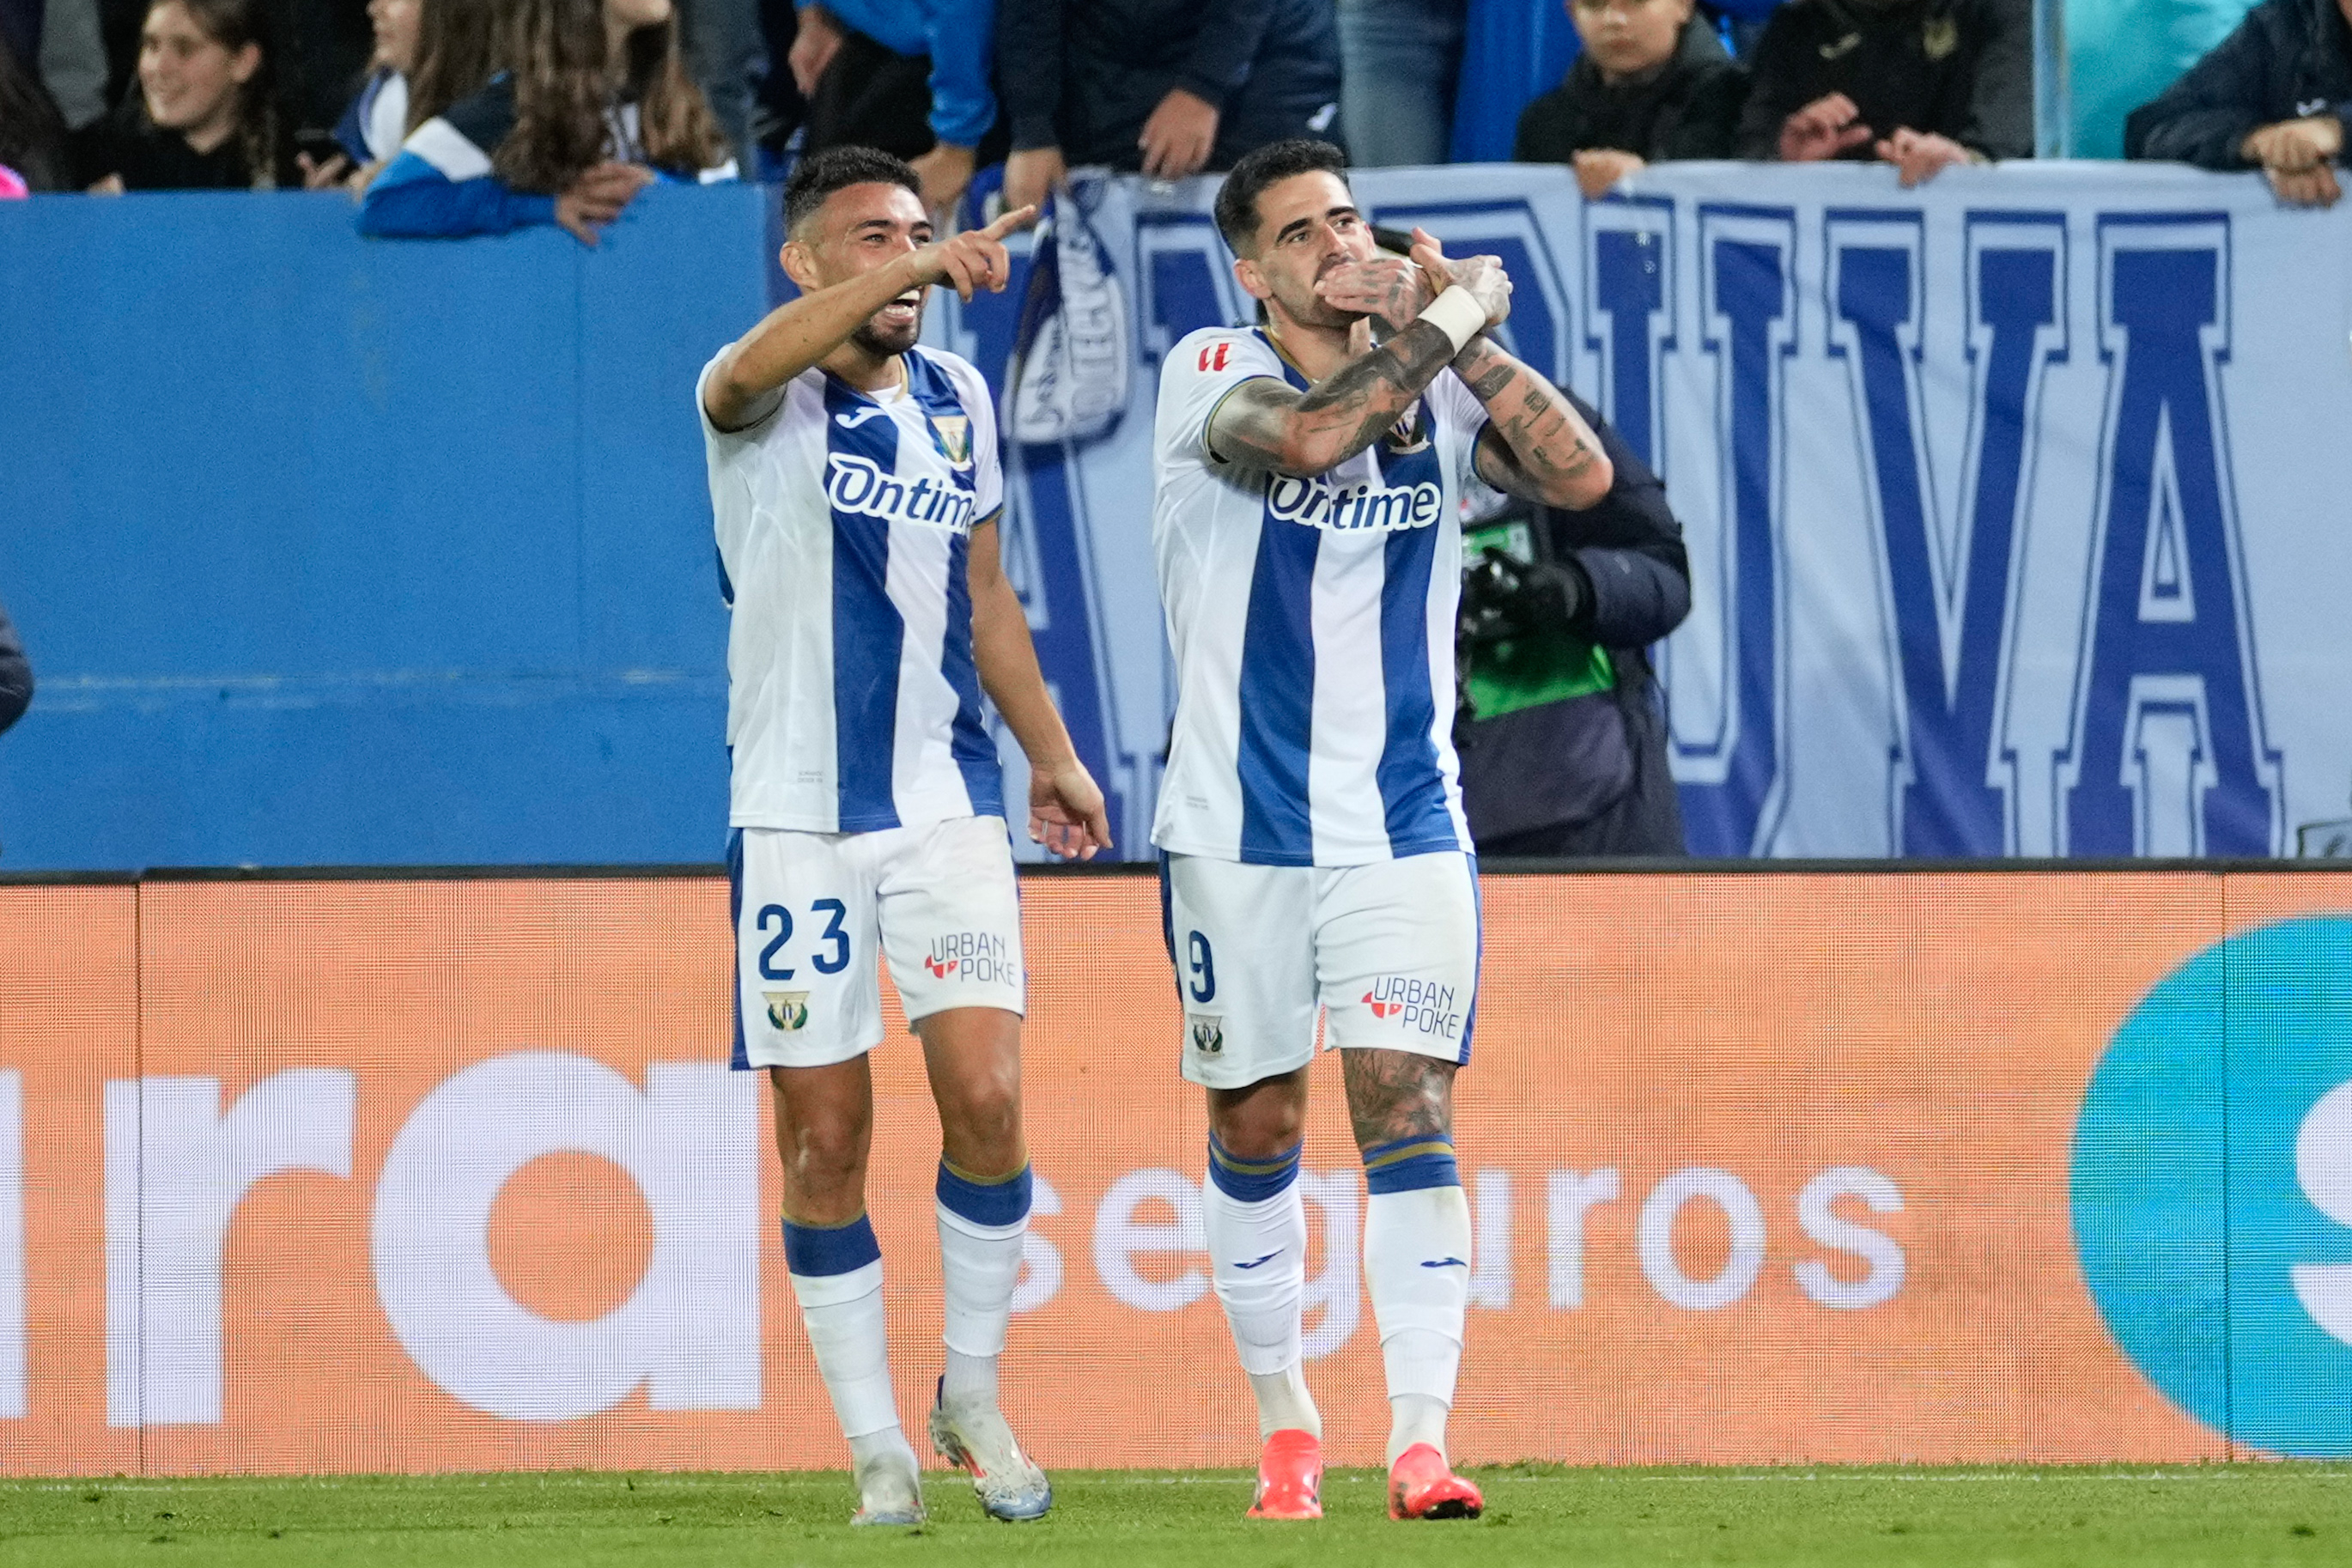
x: 813, y: 911
x: 1386, y: 953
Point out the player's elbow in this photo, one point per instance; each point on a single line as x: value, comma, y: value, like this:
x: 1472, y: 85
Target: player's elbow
x: 1583, y: 488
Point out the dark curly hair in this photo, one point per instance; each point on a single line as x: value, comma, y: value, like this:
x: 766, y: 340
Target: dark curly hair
x: 820, y: 175
x: 563, y: 86
x: 1269, y: 166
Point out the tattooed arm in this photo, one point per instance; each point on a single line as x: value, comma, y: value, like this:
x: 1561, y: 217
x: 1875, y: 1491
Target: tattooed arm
x: 1536, y: 446
x: 1263, y: 424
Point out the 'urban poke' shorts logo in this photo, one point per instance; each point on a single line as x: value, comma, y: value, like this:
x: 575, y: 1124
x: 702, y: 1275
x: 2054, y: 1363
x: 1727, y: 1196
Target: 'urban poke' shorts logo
x: 787, y: 1010
x: 976, y: 955
x: 1420, y: 1006
x: 2211, y: 1187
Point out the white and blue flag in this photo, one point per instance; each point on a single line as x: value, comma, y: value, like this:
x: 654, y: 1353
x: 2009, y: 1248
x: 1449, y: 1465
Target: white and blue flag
x: 1312, y: 626
x: 844, y: 523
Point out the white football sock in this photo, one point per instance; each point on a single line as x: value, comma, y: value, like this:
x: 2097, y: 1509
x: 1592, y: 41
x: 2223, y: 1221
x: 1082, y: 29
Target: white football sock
x: 981, y: 1228
x: 1257, y: 1252
x: 1417, y: 1268
x: 847, y: 1329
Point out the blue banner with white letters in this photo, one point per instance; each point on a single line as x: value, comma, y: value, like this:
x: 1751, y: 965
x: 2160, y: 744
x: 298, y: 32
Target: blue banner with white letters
x: 2015, y: 503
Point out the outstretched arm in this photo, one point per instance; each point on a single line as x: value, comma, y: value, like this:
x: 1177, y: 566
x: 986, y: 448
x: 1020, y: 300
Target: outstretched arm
x: 1265, y: 425
x: 797, y: 335
x: 1065, y: 806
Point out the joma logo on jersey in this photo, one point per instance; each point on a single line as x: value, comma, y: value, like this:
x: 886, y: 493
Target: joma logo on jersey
x: 1422, y: 1005
x: 1347, y: 507
x: 972, y: 955
x: 856, y: 484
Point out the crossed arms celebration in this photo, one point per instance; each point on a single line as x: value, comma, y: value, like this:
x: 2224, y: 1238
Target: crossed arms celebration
x: 1536, y: 446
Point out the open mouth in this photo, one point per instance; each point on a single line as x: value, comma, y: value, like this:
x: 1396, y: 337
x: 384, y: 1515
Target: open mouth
x: 904, y: 308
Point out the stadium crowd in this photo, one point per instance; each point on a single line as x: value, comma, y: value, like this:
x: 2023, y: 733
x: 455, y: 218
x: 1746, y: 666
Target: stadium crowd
x: 467, y: 116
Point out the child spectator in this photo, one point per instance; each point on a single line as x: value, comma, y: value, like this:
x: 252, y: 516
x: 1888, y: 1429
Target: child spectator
x: 204, y: 117
x: 1653, y: 84
x: 1920, y: 84
x: 376, y: 123
x: 595, y: 105
x: 32, y: 135
x: 2273, y: 95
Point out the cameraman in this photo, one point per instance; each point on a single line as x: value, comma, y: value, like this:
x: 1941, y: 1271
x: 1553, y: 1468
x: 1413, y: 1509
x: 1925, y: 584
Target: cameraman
x: 1562, y: 726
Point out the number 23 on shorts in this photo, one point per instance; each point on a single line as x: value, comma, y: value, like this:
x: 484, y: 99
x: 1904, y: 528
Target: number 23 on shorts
x: 779, y: 919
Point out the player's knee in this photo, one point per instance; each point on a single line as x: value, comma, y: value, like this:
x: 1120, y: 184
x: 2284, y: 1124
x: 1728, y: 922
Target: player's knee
x: 982, y: 1120
x: 1256, y: 1126
x: 828, y: 1157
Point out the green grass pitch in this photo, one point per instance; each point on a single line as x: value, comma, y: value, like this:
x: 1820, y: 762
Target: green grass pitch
x: 2243, y: 1513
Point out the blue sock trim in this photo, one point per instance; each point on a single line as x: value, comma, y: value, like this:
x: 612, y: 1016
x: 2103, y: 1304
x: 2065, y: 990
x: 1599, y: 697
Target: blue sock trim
x: 1411, y: 1163
x: 818, y: 1250
x: 985, y: 1200
x: 1253, y: 1181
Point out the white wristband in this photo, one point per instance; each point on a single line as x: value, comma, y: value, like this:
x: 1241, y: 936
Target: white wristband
x: 1457, y: 314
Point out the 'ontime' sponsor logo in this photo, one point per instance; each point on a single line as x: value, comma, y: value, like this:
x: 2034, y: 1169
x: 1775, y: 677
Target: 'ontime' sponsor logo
x: 856, y: 484
x: 1348, y: 507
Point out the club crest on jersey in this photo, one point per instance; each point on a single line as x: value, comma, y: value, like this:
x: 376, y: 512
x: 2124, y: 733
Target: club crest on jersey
x: 1422, y: 1007
x: 953, y: 432
x: 1349, y: 509
x: 1208, y: 1032
x: 856, y: 484
x: 787, y: 1010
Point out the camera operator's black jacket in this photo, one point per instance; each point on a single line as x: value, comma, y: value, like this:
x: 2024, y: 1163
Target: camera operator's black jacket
x: 2287, y: 60
x: 1588, y: 776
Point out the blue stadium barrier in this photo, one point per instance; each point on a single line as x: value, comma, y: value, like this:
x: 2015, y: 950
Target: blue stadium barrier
x: 337, y: 552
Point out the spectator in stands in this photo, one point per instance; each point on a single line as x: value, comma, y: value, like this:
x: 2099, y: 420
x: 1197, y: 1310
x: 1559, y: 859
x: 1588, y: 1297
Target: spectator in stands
x: 204, y: 117
x: 16, y: 674
x: 2275, y: 95
x: 1920, y: 84
x: 1166, y: 86
x: 32, y: 135
x: 376, y: 123
x: 1399, y: 62
x: 1653, y: 84
x: 457, y: 46
x: 911, y: 76
x: 595, y: 105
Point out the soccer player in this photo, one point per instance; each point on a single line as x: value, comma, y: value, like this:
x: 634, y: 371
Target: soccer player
x: 1307, y: 526
x: 854, y: 482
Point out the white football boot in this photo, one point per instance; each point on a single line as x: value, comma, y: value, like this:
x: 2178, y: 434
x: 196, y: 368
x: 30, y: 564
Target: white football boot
x: 889, y: 1490
x: 974, y: 1435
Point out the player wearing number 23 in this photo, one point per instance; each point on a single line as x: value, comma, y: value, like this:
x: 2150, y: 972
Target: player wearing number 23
x: 1308, y: 477
x: 855, y: 482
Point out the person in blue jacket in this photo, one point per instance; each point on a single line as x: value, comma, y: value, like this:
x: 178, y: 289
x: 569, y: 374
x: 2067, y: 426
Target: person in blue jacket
x: 595, y: 105
x: 2275, y: 96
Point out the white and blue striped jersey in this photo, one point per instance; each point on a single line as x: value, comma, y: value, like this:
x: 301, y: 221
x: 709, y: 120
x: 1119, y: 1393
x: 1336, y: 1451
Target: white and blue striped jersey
x: 1312, y: 623
x: 844, y: 524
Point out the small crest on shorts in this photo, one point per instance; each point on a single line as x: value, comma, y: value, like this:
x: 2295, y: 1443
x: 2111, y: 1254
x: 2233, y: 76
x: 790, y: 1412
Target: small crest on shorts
x: 787, y: 1010
x: 1940, y: 37
x: 954, y: 433
x: 1208, y: 1032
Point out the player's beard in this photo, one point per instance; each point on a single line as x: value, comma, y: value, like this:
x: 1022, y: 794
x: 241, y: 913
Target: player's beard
x: 884, y: 342
x: 1309, y: 310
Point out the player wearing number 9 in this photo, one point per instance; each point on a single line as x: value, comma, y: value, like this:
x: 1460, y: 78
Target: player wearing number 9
x: 854, y: 483
x: 1309, y: 473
